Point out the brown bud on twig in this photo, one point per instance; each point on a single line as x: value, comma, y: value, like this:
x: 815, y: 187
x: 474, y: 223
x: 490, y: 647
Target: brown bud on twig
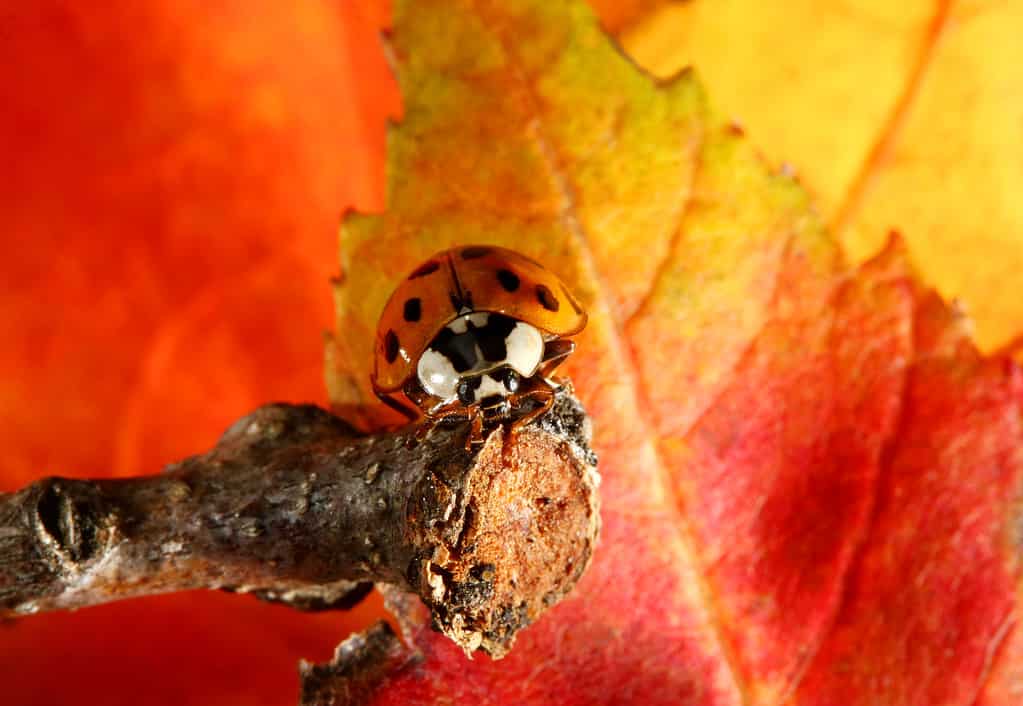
x: 295, y: 506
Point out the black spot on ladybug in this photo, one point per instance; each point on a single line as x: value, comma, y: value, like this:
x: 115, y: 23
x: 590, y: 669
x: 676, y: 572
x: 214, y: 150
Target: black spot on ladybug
x: 476, y: 251
x: 571, y: 300
x: 508, y: 279
x: 546, y: 298
x: 426, y: 268
x: 413, y: 309
x: 391, y: 346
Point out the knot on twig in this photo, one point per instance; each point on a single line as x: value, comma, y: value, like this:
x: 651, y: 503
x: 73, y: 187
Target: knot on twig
x: 71, y: 522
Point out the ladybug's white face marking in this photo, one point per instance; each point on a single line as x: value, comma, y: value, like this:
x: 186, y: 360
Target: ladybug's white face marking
x: 524, y: 347
x: 437, y: 375
x: 488, y: 387
x: 481, y: 349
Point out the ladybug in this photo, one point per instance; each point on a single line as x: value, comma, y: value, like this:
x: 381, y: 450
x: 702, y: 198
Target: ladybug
x: 474, y: 333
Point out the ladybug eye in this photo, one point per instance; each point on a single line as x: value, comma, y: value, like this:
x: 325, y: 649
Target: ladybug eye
x: 467, y: 391
x: 511, y: 380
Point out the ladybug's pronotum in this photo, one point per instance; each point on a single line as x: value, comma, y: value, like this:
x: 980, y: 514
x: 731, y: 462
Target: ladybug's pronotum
x: 474, y: 333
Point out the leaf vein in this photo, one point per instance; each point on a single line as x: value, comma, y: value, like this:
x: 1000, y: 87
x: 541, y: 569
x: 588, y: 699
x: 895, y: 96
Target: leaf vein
x: 622, y: 350
x: 891, y: 128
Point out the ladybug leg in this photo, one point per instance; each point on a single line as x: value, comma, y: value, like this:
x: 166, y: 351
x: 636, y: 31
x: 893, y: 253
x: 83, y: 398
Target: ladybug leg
x: 426, y: 426
x: 398, y: 406
x: 415, y: 392
x: 451, y: 412
x: 544, y: 386
x: 475, y: 435
x: 554, y: 354
x: 542, y: 393
x: 429, y: 417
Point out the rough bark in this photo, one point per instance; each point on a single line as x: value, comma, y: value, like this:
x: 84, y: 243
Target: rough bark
x: 295, y: 506
x: 359, y: 666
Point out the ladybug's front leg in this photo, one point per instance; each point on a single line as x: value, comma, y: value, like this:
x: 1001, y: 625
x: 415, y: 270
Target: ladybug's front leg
x: 426, y: 426
x: 433, y: 417
x: 543, y: 393
x: 397, y: 405
x: 554, y: 354
x: 453, y: 412
x: 475, y: 428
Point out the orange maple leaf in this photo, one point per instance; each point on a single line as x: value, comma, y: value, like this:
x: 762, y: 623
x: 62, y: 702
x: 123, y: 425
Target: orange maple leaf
x: 808, y: 470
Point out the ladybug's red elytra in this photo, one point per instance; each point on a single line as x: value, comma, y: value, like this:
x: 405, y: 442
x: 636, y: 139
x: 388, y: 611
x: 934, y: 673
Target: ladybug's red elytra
x: 474, y: 333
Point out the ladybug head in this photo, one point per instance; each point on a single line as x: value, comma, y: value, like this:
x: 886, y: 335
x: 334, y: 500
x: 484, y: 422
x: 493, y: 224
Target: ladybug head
x: 479, y: 356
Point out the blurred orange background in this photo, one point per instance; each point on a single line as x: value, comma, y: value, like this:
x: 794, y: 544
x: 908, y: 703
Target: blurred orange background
x: 176, y: 174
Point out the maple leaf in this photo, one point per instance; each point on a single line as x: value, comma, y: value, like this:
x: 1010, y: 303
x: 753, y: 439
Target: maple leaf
x: 808, y: 471
x: 812, y: 400
x: 896, y: 115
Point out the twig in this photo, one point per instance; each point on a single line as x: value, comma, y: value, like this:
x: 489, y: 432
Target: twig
x: 295, y: 506
x: 360, y: 664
